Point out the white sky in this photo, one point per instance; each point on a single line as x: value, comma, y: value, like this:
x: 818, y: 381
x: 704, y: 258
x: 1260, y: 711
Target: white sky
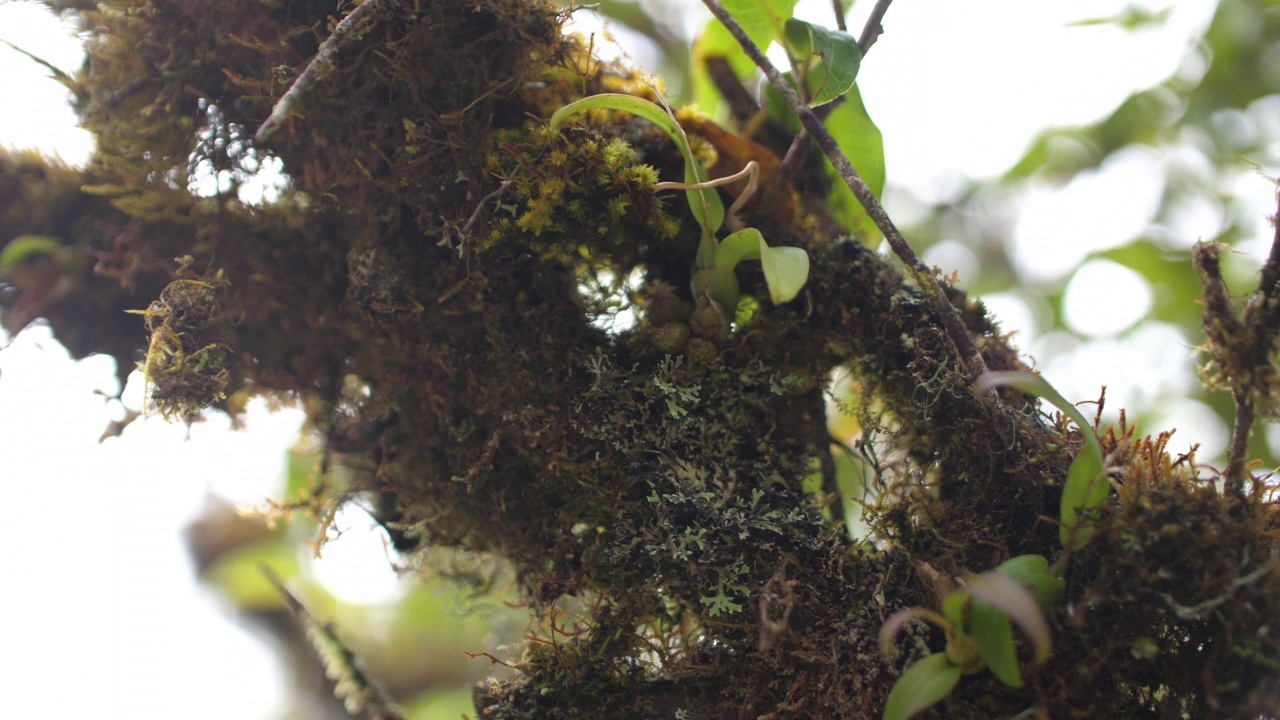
x: 107, y: 619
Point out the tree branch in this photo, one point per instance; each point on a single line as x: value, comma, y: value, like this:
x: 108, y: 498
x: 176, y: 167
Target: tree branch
x: 317, y: 68
x: 924, y: 277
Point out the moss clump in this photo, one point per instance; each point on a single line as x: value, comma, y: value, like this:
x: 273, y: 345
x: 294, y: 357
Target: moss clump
x: 185, y: 363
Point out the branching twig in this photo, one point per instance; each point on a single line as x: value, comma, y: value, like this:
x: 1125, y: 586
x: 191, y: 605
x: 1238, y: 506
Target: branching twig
x: 947, y: 314
x: 319, y: 66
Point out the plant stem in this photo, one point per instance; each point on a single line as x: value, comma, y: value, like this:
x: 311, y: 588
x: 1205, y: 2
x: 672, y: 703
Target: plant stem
x: 924, y: 277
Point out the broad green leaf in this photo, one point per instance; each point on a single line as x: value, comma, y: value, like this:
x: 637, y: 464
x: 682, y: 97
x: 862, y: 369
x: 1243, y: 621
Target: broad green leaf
x: 1086, y: 487
x: 742, y: 245
x: 923, y: 684
x: 993, y: 634
x: 26, y: 247
x: 705, y: 203
x: 786, y: 269
x: 1011, y: 598
x: 763, y: 20
x: 1033, y: 571
x: 837, y: 52
x: 716, y: 42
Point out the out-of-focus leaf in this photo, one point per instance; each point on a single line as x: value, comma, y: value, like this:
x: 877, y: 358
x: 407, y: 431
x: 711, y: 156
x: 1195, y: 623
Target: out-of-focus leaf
x: 993, y: 635
x: 25, y: 247
x: 448, y: 703
x: 1033, y: 571
x: 837, y: 53
x: 922, y: 685
x: 1017, y: 602
x: 895, y: 622
x: 762, y: 20
x: 238, y: 575
x: 1132, y: 17
x: 1169, y: 274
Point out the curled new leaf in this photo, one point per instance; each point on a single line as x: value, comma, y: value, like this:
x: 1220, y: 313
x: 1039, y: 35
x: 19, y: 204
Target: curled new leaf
x: 837, y: 52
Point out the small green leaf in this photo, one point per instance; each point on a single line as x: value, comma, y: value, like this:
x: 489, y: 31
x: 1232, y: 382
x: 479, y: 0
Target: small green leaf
x: 1085, y: 489
x: 993, y: 634
x: 742, y: 245
x: 837, y: 51
x: 705, y: 203
x: 786, y: 270
x: 1033, y: 571
x: 26, y: 247
x: 923, y: 684
x: 1010, y: 597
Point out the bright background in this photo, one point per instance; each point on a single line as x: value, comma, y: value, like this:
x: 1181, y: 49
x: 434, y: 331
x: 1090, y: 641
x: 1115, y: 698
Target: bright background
x: 102, y: 613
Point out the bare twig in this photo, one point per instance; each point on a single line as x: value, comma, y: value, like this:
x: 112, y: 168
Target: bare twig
x: 838, y: 7
x: 873, y: 29
x: 928, y: 282
x: 319, y: 66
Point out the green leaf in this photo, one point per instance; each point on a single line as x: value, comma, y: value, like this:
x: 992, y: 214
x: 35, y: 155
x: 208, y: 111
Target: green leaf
x: 742, y: 245
x: 786, y: 269
x: 761, y: 19
x: 837, y: 52
x: 993, y: 634
x: 1011, y: 598
x: 705, y: 203
x: 923, y: 684
x: 239, y: 577
x: 27, y: 247
x: 1033, y: 571
x: 1086, y: 487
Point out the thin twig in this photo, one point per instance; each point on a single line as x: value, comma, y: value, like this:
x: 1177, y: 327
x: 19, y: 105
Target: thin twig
x: 319, y: 66
x: 873, y: 29
x: 838, y: 7
x: 947, y: 313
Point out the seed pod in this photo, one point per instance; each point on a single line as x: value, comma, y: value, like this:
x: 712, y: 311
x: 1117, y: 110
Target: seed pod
x: 670, y: 338
x: 701, y: 351
x: 709, y: 320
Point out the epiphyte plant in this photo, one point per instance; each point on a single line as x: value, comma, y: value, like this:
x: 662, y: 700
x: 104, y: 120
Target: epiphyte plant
x: 786, y: 269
